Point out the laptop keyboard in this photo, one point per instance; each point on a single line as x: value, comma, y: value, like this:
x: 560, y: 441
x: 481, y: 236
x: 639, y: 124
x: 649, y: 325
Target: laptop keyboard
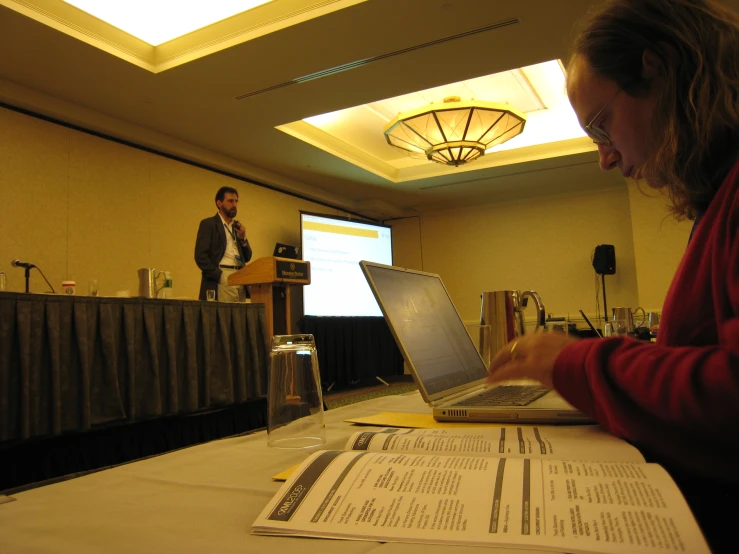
x: 509, y: 395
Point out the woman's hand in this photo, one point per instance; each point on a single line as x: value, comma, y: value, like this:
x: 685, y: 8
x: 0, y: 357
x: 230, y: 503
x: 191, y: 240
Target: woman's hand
x: 528, y: 357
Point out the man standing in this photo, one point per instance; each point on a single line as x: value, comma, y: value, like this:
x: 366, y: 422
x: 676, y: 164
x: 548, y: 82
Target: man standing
x: 221, y: 249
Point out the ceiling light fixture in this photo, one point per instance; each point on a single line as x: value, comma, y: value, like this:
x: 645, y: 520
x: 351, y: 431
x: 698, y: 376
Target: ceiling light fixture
x: 455, y: 132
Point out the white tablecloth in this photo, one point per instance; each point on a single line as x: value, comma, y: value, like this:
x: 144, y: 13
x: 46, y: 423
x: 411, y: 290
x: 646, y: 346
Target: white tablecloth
x: 199, y: 499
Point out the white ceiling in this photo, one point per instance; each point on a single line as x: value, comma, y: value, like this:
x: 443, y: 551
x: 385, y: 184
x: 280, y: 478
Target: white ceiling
x: 211, y: 109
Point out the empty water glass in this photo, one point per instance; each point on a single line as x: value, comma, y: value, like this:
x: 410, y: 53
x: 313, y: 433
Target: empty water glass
x: 294, y: 401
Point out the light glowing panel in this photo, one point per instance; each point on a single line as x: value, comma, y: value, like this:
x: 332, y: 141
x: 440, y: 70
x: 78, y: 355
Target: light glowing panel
x: 356, y: 134
x: 158, y: 21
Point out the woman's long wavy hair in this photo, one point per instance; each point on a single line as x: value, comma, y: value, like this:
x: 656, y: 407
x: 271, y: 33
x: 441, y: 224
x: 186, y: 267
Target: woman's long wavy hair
x: 696, y: 116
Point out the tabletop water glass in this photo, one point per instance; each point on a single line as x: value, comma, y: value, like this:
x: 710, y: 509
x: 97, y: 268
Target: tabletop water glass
x: 210, y: 295
x: 557, y: 326
x: 294, y: 402
x: 92, y: 287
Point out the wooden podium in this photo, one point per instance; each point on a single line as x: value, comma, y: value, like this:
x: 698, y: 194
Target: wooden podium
x: 271, y: 280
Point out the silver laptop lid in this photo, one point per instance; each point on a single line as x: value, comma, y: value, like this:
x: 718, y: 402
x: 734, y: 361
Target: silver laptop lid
x: 427, y: 328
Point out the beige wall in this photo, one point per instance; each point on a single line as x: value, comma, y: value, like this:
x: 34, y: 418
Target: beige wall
x: 544, y: 245
x: 81, y: 207
x: 407, y: 242
x: 659, y: 243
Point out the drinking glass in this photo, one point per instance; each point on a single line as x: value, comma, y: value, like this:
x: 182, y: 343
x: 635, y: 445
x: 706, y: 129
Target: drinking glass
x: 92, y: 287
x: 294, y: 402
x: 558, y: 326
x: 210, y: 295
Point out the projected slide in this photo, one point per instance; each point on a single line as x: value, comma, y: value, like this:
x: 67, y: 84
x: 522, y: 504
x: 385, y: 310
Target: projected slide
x: 334, y: 247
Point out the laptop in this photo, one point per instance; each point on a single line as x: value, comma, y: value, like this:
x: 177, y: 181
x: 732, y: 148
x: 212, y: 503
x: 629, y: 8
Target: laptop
x: 286, y: 251
x: 445, y: 364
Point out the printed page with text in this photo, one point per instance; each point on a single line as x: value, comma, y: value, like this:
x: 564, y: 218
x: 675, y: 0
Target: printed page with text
x: 563, y: 506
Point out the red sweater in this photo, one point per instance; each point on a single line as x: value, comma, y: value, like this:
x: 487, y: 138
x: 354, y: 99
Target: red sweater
x: 678, y: 398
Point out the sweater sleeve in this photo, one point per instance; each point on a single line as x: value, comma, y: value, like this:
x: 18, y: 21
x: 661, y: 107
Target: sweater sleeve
x: 680, y: 397
x: 639, y: 390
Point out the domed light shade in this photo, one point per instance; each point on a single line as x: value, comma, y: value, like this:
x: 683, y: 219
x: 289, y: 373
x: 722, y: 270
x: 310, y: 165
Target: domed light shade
x: 454, y: 133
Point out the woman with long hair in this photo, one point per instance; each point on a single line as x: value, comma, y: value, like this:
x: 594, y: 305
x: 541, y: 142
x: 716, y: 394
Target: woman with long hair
x: 655, y: 84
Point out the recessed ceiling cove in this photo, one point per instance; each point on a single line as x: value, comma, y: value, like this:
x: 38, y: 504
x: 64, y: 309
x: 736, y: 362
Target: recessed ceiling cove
x: 538, y: 91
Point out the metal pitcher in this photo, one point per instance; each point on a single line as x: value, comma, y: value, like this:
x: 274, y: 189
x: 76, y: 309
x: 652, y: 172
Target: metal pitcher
x: 623, y: 320
x: 503, y: 311
x: 148, y: 282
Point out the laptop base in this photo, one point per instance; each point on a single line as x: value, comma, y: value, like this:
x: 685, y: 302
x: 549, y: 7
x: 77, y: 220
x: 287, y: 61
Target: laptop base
x: 510, y: 416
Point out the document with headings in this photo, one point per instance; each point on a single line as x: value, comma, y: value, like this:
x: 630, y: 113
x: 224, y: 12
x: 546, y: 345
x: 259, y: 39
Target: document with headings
x: 574, y: 442
x: 587, y: 442
x: 461, y: 497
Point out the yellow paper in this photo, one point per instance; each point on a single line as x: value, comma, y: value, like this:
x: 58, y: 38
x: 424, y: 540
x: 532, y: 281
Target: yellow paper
x: 284, y: 475
x: 415, y: 421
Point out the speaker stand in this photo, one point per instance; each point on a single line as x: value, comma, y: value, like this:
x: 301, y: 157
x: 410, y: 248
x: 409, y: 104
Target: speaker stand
x: 605, y: 306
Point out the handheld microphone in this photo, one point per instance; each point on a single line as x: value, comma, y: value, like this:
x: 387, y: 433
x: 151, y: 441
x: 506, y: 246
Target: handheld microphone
x: 236, y: 225
x: 18, y: 263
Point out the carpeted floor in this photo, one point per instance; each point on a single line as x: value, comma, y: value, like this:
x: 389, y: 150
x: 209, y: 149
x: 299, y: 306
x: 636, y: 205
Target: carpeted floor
x: 344, y: 398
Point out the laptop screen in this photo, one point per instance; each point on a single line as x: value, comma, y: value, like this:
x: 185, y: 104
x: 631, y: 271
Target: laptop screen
x: 287, y: 251
x: 426, y: 325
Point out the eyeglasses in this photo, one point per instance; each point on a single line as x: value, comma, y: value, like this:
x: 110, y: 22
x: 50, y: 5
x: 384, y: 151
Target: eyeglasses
x: 595, y: 131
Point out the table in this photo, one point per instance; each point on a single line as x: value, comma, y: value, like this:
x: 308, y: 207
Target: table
x: 200, y: 499
x: 70, y: 363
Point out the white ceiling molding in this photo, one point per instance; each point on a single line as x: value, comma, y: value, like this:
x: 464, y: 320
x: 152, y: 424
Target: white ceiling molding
x: 240, y: 28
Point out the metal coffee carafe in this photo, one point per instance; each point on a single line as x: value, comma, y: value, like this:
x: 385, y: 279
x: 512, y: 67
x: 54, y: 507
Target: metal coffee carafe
x: 503, y: 311
x: 148, y: 282
x: 623, y: 320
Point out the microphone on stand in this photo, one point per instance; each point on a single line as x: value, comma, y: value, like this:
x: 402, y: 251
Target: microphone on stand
x: 28, y: 267
x: 18, y: 263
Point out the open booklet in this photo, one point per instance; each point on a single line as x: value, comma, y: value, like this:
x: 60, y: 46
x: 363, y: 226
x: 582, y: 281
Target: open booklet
x: 505, y: 486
